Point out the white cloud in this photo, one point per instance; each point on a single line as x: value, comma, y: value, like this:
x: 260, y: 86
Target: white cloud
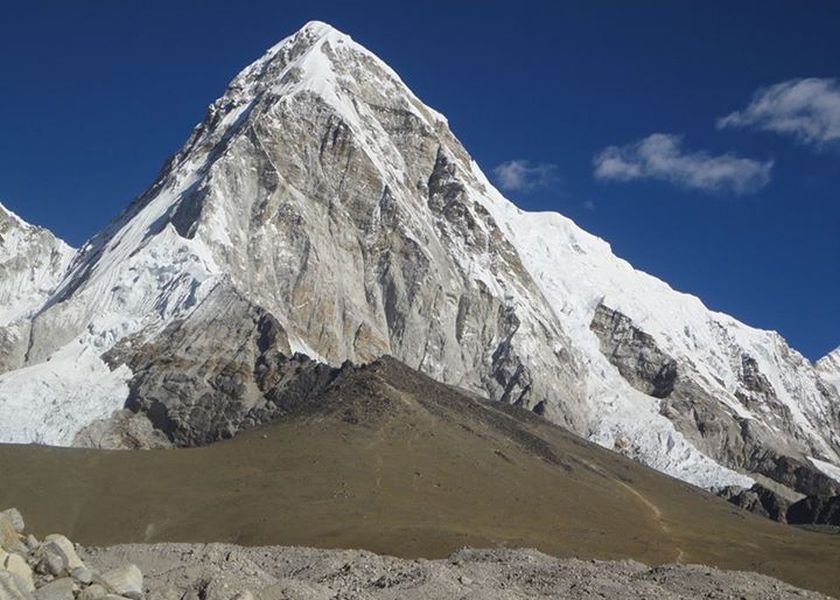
x: 806, y: 109
x: 523, y: 176
x: 661, y: 156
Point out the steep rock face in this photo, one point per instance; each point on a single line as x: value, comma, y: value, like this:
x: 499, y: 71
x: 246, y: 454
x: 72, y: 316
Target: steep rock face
x: 829, y: 368
x: 227, y: 367
x: 733, y: 438
x: 816, y: 510
x: 634, y: 353
x: 326, y: 199
x: 759, y: 500
x: 32, y: 263
x: 122, y: 430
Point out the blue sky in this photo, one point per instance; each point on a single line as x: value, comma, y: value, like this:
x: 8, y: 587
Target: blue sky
x: 561, y: 102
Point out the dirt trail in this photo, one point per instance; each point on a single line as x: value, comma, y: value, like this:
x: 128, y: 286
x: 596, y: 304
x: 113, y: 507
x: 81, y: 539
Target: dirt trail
x: 657, y: 512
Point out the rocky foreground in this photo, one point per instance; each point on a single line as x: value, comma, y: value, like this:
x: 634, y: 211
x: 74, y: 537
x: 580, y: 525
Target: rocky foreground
x: 56, y: 569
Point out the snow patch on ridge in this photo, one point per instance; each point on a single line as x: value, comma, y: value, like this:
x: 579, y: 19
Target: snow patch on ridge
x: 32, y: 262
x: 829, y: 469
x: 829, y: 368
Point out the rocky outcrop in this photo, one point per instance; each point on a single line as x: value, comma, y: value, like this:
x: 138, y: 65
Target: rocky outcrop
x: 634, y: 353
x: 815, y: 510
x: 32, y: 263
x: 829, y: 368
x: 226, y: 368
x: 52, y: 570
x: 759, y: 500
x: 123, y: 430
x: 793, y: 473
x: 721, y: 429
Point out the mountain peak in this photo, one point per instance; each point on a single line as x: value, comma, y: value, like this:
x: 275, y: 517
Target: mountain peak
x: 322, y: 201
x: 829, y: 367
x: 7, y: 215
x: 319, y: 28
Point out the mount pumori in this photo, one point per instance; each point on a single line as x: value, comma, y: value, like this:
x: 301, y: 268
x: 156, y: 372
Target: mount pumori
x: 322, y: 208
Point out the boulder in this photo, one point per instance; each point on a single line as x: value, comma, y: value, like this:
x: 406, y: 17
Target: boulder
x: 82, y: 575
x: 17, y: 566
x: 9, y: 538
x: 10, y: 589
x: 15, y: 518
x: 50, y: 563
x: 93, y: 592
x: 60, y: 546
x: 60, y: 589
x: 126, y: 581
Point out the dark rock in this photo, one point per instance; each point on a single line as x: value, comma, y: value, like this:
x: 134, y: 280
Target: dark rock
x: 634, y: 353
x: 815, y: 510
x: 759, y: 500
x: 225, y: 369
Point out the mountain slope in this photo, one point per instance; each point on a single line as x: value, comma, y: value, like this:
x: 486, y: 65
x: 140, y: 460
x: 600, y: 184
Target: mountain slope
x: 388, y: 460
x: 32, y: 263
x: 323, y: 193
x: 829, y: 368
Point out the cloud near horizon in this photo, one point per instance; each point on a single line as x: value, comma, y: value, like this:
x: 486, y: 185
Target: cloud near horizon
x: 662, y: 157
x: 806, y: 109
x: 524, y: 176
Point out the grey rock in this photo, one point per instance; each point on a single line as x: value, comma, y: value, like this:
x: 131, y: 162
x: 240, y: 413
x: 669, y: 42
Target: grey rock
x: 745, y: 444
x: 759, y: 500
x: 59, y: 546
x: 634, y: 353
x: 95, y: 591
x: 60, y: 589
x: 51, y: 563
x: 19, y: 568
x: 15, y: 518
x: 224, y: 369
x: 11, y: 589
x: 165, y: 592
x: 82, y: 574
x: 125, y: 581
x: 815, y: 510
x: 9, y: 537
x: 32, y: 263
x: 124, y: 430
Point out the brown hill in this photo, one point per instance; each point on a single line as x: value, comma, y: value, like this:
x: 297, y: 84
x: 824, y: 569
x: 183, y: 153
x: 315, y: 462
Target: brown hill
x: 388, y: 460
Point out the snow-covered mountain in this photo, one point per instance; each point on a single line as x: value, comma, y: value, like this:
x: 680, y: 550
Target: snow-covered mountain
x: 829, y: 367
x: 324, y: 208
x: 32, y: 263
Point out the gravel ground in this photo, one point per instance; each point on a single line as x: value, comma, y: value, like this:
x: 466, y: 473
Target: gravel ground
x: 225, y: 572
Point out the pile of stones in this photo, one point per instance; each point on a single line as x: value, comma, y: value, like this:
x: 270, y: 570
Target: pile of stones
x: 50, y: 569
